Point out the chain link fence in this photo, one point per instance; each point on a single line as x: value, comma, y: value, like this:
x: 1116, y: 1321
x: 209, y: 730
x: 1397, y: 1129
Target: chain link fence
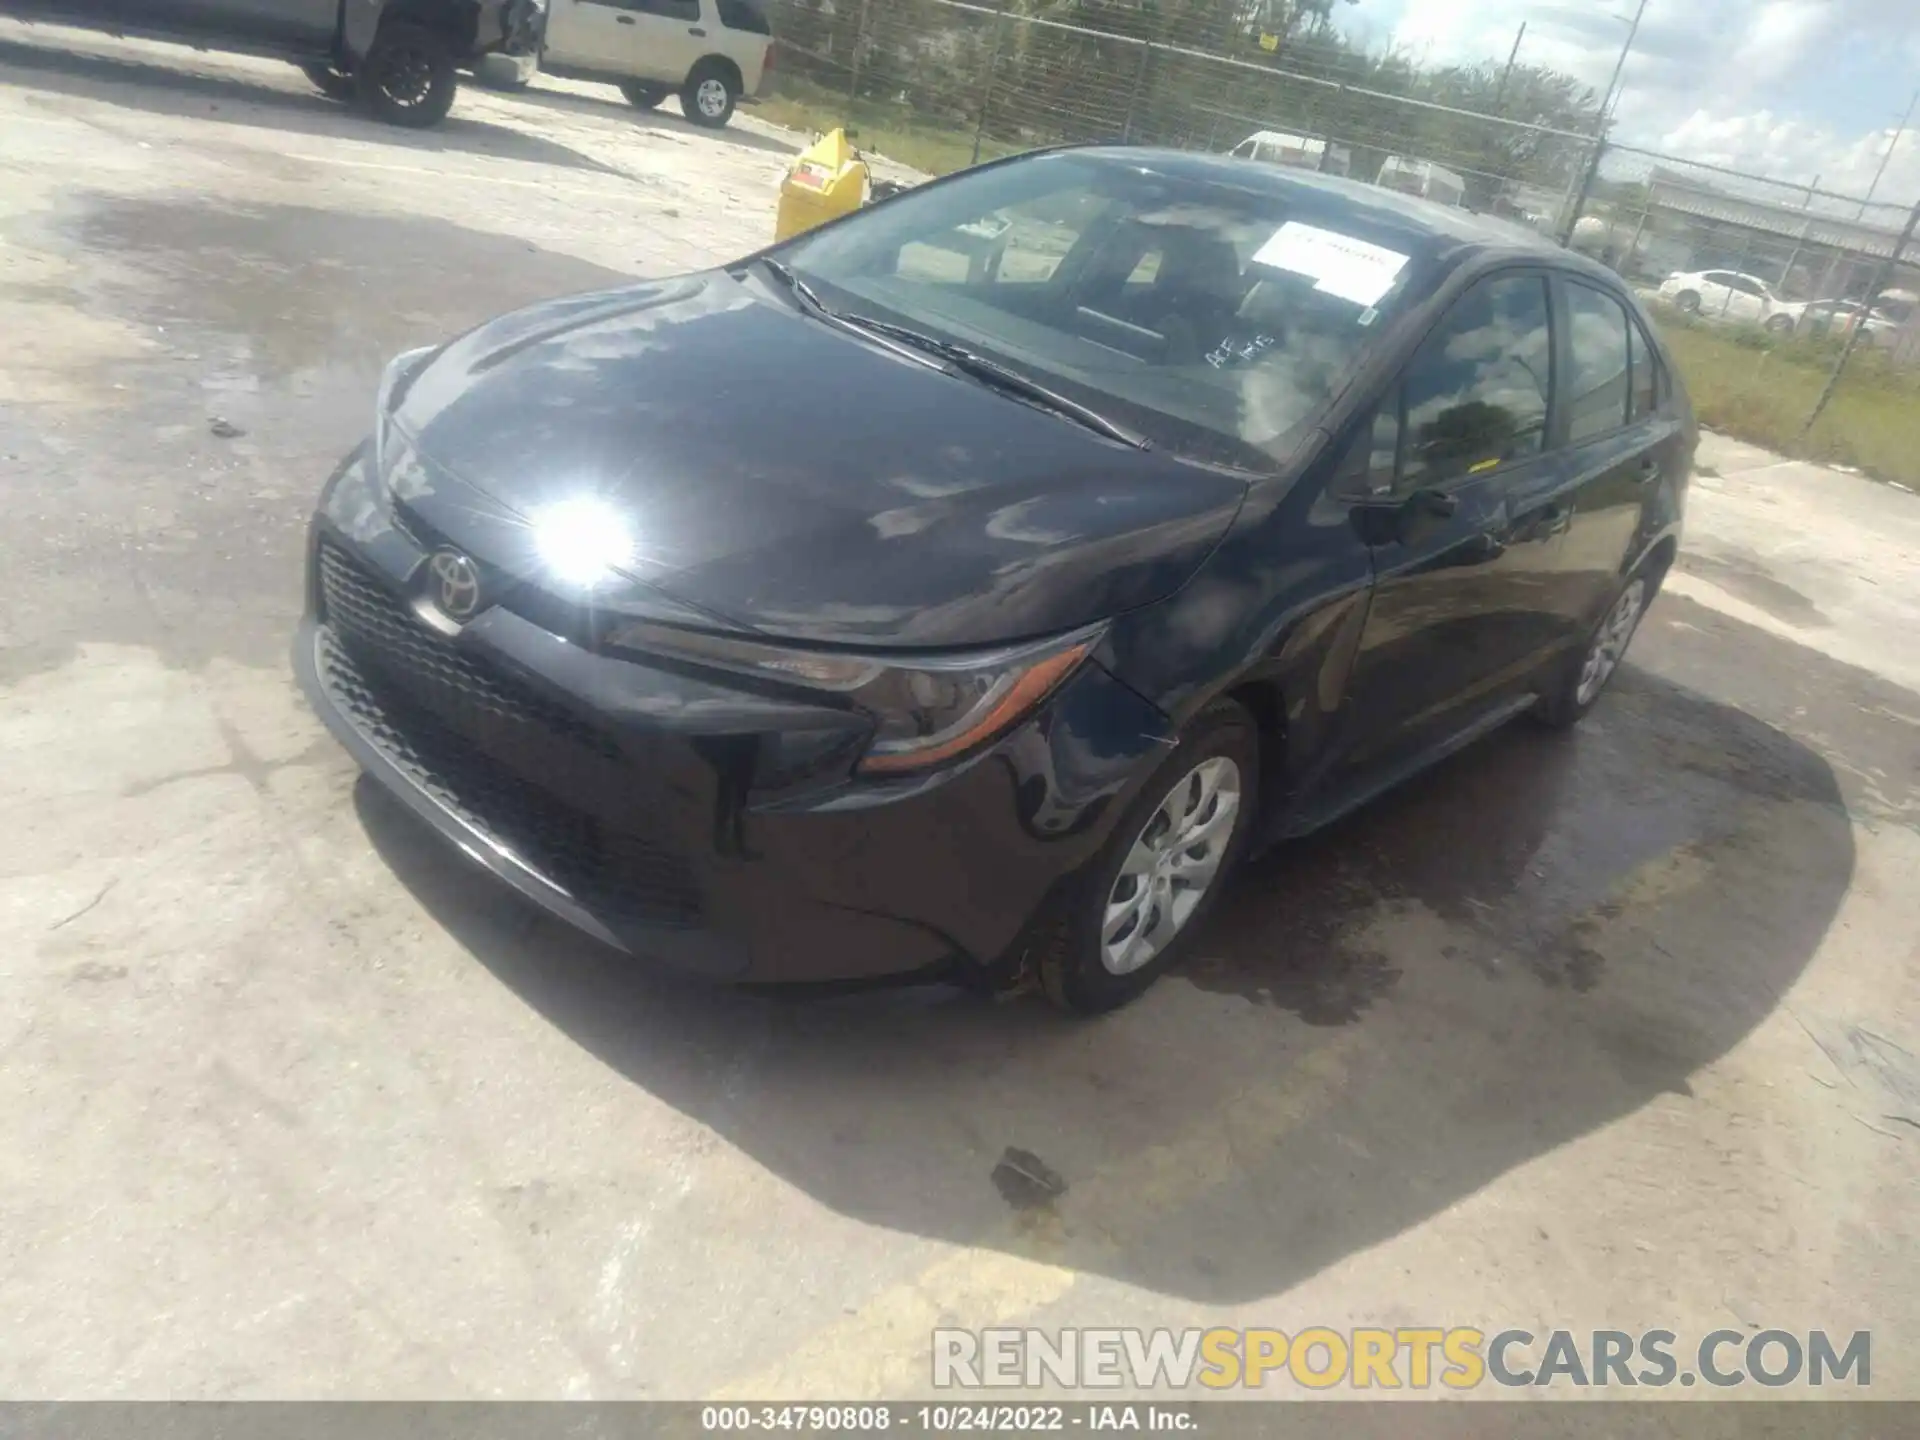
x: 992, y: 81
x: 1794, y: 311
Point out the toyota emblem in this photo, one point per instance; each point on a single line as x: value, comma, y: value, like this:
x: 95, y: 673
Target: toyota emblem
x: 456, y: 584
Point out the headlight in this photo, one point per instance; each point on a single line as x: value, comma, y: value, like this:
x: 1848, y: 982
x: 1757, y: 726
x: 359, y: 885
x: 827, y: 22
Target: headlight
x: 926, y: 709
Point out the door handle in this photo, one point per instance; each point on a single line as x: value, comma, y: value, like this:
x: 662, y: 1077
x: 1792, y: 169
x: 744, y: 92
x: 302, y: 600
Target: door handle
x: 696, y: 30
x: 624, y: 19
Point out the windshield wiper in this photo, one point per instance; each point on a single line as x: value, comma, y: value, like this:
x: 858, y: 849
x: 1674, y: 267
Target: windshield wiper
x: 802, y: 291
x: 1002, y: 377
x: 958, y: 357
x: 813, y: 305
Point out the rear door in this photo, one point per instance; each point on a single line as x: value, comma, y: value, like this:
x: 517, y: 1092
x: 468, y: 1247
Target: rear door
x: 1621, y: 436
x: 1466, y: 511
x: 680, y: 34
x: 643, y: 39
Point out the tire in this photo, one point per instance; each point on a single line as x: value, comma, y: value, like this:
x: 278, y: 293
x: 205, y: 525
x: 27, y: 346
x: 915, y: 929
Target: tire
x: 1079, y: 968
x: 407, y: 78
x: 1582, y: 678
x: 711, y: 92
x: 332, y: 83
x: 1780, y: 324
x: 1688, y: 302
x: 643, y: 94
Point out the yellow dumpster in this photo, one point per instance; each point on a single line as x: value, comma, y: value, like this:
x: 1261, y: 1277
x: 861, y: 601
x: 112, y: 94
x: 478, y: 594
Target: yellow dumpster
x: 827, y: 181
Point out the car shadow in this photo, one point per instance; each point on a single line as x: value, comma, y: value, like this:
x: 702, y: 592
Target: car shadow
x: 613, y: 105
x: 136, y: 83
x: 1540, y: 937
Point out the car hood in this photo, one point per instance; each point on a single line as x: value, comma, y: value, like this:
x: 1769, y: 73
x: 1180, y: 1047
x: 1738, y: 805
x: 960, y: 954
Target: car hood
x: 779, y: 475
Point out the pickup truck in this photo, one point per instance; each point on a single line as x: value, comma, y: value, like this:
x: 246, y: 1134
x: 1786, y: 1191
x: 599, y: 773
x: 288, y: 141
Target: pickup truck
x: 398, y: 58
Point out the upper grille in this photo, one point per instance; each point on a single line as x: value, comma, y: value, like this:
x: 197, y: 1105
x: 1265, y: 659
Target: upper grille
x: 370, y: 618
x: 502, y: 758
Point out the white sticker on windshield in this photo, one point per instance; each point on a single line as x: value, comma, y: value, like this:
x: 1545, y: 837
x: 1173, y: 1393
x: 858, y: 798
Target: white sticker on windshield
x: 1337, y: 264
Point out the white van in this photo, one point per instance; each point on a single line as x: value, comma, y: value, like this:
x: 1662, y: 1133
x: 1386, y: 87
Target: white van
x: 709, y: 52
x: 1304, y: 152
x: 1423, y: 178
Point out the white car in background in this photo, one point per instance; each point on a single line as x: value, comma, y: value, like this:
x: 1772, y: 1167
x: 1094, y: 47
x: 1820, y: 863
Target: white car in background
x: 1303, y: 152
x: 1882, y: 325
x: 708, y: 52
x: 1729, y: 295
x: 1423, y: 178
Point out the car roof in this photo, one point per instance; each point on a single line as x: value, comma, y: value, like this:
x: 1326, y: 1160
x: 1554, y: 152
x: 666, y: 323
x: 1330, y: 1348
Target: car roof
x: 1438, y: 232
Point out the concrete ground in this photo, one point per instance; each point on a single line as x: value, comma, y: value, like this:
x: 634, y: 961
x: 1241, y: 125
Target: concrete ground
x: 1616, y: 1029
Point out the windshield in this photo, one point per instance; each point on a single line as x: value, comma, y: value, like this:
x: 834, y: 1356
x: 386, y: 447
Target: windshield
x: 1213, y: 317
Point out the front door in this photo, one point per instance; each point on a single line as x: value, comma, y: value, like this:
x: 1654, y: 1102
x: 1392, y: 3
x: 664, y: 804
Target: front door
x: 1467, y: 512
x: 303, y: 24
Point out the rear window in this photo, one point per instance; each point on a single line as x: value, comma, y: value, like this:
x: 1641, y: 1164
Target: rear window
x: 1596, y: 389
x: 744, y: 15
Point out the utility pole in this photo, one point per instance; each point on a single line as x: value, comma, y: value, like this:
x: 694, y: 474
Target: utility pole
x: 1886, y: 159
x: 1589, y: 172
x: 1633, y: 33
x: 1500, y: 96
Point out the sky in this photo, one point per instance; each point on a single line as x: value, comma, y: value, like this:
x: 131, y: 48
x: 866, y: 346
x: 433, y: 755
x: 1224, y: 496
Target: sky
x: 1792, y: 89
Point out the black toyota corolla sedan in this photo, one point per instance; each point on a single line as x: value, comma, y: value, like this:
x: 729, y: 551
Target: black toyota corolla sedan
x: 964, y: 587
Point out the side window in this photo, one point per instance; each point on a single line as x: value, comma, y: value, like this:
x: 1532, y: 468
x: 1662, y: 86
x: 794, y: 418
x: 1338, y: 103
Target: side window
x: 1645, y: 398
x: 1596, y: 384
x: 744, y: 15
x: 1476, y: 393
x: 670, y: 9
x: 1744, y: 285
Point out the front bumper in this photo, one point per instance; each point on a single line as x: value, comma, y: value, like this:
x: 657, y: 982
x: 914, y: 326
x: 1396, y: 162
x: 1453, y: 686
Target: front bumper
x: 625, y: 798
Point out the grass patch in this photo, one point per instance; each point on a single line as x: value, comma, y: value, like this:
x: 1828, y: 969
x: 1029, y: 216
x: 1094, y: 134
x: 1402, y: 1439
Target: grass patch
x: 894, y: 131
x: 1762, y: 392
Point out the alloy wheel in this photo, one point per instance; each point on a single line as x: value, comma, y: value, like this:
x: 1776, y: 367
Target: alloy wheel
x: 711, y: 97
x: 407, y: 77
x: 1171, y: 865
x: 1610, y: 642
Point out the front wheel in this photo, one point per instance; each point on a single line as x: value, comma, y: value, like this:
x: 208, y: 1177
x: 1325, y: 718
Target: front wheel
x: 709, y: 95
x: 1688, y: 301
x: 1136, y: 907
x: 1781, y: 324
x: 407, y: 77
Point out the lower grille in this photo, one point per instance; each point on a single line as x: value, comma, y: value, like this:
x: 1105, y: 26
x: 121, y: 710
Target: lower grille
x: 436, y: 713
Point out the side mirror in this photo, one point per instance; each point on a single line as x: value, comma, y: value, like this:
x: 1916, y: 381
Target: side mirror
x: 1390, y: 519
x: 1430, y: 500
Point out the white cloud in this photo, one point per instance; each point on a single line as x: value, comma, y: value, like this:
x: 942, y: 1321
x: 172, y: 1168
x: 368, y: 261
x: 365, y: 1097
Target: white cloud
x: 1729, y: 82
x: 1782, y: 145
